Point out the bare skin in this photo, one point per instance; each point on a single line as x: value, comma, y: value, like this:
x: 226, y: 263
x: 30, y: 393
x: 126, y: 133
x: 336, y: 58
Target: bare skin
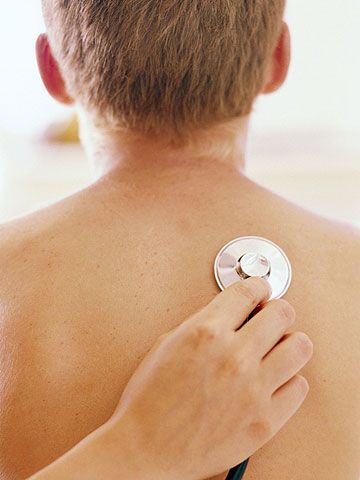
x: 88, y: 285
x: 246, y: 386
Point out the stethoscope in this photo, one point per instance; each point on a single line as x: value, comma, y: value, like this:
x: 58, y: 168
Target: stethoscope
x: 247, y: 257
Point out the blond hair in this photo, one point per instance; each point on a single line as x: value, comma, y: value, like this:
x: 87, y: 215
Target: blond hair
x: 164, y: 67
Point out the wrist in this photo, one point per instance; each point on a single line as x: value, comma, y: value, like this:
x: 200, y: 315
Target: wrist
x: 144, y: 457
x: 110, y: 452
x: 120, y: 447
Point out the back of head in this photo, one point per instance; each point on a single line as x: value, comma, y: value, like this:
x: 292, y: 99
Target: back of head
x: 164, y: 67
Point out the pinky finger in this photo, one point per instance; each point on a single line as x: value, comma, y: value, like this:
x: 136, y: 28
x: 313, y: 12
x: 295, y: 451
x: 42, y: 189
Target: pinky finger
x: 288, y: 399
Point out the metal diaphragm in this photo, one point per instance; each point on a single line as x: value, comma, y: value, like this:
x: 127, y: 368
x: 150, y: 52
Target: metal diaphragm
x: 247, y: 257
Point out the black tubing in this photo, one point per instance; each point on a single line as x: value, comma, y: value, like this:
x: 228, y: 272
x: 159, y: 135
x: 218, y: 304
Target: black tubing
x: 237, y: 473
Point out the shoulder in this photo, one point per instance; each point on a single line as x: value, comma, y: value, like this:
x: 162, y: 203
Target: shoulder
x: 344, y: 272
x: 340, y: 242
x: 25, y: 254
x: 325, y: 255
x: 15, y: 269
x: 333, y: 251
x: 19, y: 240
x: 24, y: 293
x: 331, y: 246
x: 326, y: 260
x: 20, y: 272
x: 27, y: 241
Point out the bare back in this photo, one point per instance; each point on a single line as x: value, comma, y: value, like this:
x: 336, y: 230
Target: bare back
x: 88, y: 284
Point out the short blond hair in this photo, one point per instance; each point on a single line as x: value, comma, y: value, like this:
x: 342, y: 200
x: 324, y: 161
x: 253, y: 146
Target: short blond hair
x: 164, y: 66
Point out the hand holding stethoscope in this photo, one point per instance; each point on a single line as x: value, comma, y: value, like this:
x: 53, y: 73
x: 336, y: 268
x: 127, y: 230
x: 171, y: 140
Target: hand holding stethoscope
x: 206, y: 397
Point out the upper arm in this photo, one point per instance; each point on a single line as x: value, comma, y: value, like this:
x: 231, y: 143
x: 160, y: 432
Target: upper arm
x: 10, y: 438
x: 14, y: 356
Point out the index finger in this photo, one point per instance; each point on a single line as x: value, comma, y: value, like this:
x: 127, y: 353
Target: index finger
x: 268, y: 326
x: 232, y: 307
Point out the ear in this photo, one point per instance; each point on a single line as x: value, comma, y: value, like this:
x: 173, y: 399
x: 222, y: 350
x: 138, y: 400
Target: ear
x: 279, y: 63
x: 50, y: 72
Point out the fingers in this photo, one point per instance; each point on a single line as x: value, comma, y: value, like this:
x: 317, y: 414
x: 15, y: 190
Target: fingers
x: 286, y: 359
x: 267, y: 327
x: 288, y: 399
x: 231, y: 308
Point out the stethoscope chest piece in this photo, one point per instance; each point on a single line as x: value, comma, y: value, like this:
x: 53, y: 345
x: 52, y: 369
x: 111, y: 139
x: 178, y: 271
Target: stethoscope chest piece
x: 247, y: 257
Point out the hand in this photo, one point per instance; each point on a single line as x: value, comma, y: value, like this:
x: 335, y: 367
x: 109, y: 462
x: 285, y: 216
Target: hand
x: 208, y: 395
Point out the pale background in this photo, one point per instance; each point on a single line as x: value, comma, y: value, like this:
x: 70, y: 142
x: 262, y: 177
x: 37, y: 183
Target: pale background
x: 305, y: 142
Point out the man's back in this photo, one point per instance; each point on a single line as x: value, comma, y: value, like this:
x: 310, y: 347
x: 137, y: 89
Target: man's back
x: 87, y: 286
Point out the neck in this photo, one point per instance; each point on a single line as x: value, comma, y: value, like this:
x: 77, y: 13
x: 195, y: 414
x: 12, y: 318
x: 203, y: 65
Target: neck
x: 113, y: 153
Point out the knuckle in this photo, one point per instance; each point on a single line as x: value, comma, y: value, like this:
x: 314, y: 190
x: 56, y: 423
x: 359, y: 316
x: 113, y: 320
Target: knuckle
x: 260, y: 429
x: 303, y: 344
x: 286, y: 310
x: 231, y: 364
x: 203, y: 333
x: 247, y: 291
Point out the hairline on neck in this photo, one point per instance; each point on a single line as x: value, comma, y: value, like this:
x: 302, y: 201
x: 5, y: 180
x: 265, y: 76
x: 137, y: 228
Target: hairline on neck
x: 224, y: 143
